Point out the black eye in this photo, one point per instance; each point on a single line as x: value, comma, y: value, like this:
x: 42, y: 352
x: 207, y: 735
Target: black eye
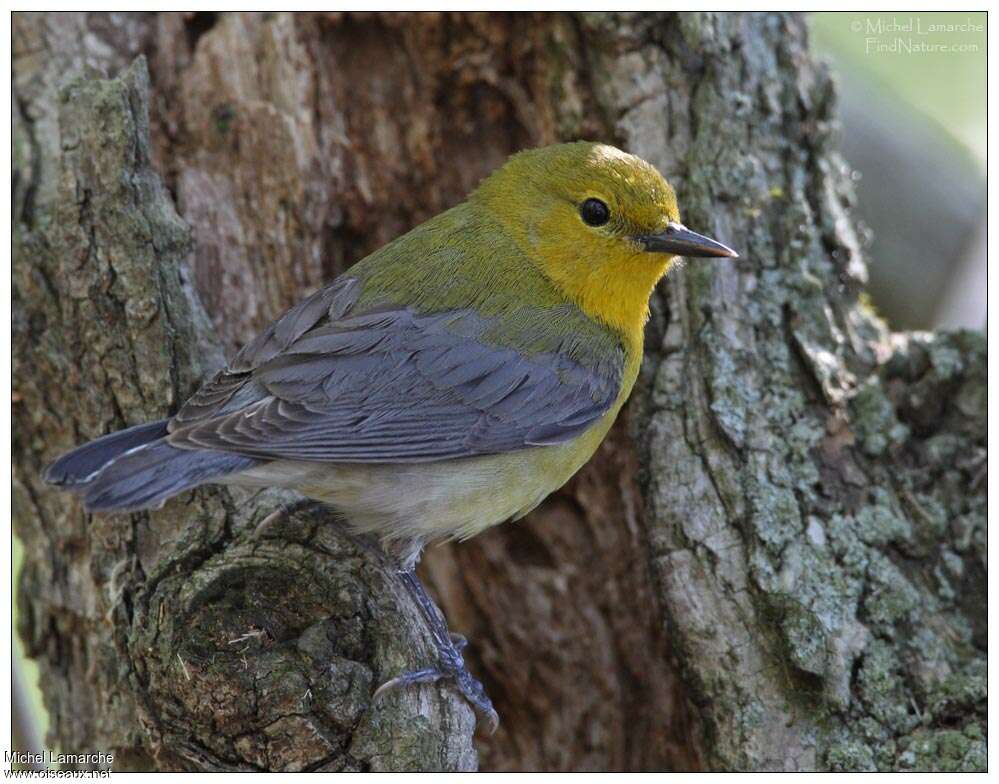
x: 594, y: 212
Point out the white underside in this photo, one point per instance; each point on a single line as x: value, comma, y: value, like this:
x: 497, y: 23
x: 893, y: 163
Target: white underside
x: 427, y: 501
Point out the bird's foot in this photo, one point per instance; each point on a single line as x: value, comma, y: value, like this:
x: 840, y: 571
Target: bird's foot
x: 451, y: 667
x: 450, y: 663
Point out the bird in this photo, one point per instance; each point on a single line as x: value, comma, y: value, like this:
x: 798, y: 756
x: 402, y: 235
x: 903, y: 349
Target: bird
x: 446, y: 383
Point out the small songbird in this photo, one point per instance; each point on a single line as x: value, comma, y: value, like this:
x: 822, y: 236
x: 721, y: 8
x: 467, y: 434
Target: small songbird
x: 448, y: 382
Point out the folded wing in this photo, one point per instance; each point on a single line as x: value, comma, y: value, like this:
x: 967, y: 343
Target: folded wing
x: 326, y: 383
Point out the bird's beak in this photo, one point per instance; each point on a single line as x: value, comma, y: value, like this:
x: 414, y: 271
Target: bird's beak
x: 681, y: 241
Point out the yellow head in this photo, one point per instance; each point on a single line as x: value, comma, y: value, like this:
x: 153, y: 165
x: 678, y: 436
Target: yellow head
x: 601, y: 224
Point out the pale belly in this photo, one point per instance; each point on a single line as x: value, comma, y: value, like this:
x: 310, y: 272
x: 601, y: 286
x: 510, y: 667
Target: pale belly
x: 436, y: 500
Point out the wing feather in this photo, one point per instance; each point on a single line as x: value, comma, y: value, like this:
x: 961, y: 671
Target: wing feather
x: 328, y: 384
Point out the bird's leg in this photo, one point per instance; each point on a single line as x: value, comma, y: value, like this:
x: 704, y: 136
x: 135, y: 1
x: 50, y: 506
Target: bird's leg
x: 450, y: 664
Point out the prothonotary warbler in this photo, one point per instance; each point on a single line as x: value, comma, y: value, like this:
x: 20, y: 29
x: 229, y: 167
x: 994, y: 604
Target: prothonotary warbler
x: 446, y: 383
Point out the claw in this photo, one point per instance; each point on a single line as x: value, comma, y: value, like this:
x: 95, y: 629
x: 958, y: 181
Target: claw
x: 408, y: 679
x: 473, y: 691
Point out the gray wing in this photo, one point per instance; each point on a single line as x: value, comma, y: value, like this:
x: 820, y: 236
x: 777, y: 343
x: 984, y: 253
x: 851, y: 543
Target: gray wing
x: 324, y: 384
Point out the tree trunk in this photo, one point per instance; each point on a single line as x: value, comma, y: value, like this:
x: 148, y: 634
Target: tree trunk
x: 776, y: 561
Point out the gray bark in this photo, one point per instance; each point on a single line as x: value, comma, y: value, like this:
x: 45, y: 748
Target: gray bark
x: 777, y: 561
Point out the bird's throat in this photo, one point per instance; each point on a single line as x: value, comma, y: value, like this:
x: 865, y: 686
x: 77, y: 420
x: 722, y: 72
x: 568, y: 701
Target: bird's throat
x: 618, y: 295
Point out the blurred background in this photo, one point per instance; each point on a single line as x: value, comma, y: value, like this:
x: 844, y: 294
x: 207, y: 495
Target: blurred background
x: 912, y: 106
x: 912, y: 94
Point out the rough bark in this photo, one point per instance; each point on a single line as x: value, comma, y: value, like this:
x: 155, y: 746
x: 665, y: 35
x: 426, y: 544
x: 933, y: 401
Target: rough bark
x: 198, y: 636
x: 777, y: 561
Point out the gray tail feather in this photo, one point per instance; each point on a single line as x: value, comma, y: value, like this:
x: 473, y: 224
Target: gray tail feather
x: 137, y: 469
x: 84, y: 463
x: 146, y: 477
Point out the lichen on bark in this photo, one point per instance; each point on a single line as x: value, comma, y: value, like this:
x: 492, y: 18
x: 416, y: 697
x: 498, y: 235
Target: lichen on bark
x: 802, y: 497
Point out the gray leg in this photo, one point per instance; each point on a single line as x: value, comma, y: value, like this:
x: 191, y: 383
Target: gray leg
x: 450, y: 665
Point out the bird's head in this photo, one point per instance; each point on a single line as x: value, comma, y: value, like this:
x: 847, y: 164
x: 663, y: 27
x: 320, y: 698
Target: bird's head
x: 601, y: 224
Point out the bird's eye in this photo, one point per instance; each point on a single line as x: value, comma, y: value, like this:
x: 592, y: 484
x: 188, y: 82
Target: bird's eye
x: 594, y: 212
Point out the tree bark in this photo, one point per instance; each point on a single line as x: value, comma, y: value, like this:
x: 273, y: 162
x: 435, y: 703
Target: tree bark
x: 776, y: 561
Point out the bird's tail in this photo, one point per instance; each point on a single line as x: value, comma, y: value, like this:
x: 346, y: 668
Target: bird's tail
x: 82, y: 465
x: 137, y: 469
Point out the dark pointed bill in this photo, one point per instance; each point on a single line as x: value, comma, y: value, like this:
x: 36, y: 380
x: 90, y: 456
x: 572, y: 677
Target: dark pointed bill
x: 681, y: 241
